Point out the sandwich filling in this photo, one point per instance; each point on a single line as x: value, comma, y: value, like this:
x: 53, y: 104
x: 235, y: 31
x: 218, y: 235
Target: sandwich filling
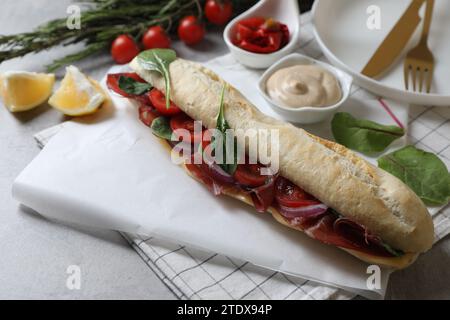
x: 273, y: 193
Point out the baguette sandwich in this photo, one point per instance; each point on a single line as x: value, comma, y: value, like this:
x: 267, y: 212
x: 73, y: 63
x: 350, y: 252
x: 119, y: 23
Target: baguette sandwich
x: 322, y: 189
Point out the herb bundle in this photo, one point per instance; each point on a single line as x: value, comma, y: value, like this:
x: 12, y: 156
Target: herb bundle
x: 101, y: 22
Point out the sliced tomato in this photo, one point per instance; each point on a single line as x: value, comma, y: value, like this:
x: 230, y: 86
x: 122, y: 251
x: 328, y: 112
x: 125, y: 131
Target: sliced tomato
x: 158, y: 100
x: 147, y: 114
x: 253, y: 23
x: 113, y: 82
x: 250, y: 175
x: 290, y: 195
x: 183, y: 121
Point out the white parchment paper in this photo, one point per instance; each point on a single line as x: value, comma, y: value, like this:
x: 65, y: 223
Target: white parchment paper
x: 111, y: 172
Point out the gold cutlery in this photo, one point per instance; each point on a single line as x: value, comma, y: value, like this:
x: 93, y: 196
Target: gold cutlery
x: 397, y: 39
x: 419, y: 61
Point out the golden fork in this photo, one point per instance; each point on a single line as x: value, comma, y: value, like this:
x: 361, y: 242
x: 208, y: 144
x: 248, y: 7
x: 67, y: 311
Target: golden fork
x: 419, y: 61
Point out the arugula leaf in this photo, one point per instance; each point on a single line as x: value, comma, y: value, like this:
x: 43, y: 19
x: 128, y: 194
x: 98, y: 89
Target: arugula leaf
x: 394, y: 252
x: 363, y: 135
x: 158, y: 60
x: 222, y: 126
x: 422, y: 171
x: 161, y: 128
x: 131, y: 86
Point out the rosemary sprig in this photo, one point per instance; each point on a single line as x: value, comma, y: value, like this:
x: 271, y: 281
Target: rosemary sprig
x: 101, y: 22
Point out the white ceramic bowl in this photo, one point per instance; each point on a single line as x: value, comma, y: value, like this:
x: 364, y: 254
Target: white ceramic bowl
x: 285, y: 11
x: 306, y: 115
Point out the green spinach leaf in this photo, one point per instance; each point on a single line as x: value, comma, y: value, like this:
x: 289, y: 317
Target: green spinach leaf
x: 223, y: 126
x: 363, y: 135
x: 158, y: 60
x: 131, y: 86
x: 161, y: 128
x: 422, y: 171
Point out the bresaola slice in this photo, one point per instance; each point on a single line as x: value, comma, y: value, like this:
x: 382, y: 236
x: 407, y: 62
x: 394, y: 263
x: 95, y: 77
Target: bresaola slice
x: 263, y: 196
x: 341, y: 232
x: 215, y: 187
x: 312, y: 211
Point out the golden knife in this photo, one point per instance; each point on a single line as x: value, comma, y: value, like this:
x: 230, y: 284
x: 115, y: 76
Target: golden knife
x: 395, y: 42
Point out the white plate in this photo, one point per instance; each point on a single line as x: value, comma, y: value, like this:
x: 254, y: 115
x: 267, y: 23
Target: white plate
x: 342, y: 32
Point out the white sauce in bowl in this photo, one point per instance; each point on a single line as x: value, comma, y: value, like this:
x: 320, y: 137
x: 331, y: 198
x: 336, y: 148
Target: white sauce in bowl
x: 304, y: 86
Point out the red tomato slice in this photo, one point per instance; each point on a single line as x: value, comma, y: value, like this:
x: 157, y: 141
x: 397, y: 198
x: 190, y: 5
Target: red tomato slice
x: 147, y: 114
x: 158, y: 99
x: 183, y: 121
x: 250, y: 175
x: 113, y: 82
x: 253, y: 23
x: 290, y: 195
x: 243, y: 33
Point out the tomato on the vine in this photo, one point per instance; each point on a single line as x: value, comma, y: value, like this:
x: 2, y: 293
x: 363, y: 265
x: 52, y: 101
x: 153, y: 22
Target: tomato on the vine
x: 156, y: 38
x: 124, y: 49
x: 191, y: 31
x: 218, y: 12
x: 158, y: 100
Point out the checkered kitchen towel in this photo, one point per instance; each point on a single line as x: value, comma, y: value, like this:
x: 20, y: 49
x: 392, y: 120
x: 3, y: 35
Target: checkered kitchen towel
x: 194, y: 274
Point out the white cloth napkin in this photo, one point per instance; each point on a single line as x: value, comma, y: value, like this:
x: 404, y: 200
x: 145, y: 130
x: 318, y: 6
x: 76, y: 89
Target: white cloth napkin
x: 199, y: 274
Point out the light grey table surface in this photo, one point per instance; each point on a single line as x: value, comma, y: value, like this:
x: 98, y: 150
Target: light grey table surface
x: 35, y: 253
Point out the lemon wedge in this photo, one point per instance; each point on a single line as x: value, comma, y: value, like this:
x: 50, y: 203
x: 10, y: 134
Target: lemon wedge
x: 22, y: 91
x: 78, y: 95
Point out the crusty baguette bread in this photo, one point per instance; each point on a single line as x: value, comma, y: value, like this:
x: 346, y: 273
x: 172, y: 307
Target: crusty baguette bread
x: 328, y: 171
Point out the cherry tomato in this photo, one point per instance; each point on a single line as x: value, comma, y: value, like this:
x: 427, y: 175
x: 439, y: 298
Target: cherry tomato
x: 158, y: 100
x: 183, y: 121
x: 112, y: 82
x: 290, y: 195
x: 218, y: 12
x: 147, y: 114
x: 191, y: 31
x: 124, y: 49
x: 156, y: 37
x: 250, y: 175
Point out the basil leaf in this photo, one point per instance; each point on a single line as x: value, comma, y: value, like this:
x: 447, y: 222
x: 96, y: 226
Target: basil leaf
x: 158, y: 60
x: 223, y: 126
x: 422, y: 171
x: 161, y: 128
x: 131, y: 86
x: 363, y: 135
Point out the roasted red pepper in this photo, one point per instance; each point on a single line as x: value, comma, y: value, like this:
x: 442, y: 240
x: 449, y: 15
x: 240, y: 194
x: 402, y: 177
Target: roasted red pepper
x: 260, y: 35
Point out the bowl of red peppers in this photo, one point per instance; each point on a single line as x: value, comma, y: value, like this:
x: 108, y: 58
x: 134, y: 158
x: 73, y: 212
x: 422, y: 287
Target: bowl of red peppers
x: 264, y: 34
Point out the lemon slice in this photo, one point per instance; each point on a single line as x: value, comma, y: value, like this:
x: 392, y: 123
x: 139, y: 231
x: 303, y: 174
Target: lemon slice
x: 78, y: 95
x: 22, y: 91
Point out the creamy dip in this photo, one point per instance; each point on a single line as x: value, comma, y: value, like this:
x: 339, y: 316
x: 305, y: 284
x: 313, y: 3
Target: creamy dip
x: 304, y: 86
